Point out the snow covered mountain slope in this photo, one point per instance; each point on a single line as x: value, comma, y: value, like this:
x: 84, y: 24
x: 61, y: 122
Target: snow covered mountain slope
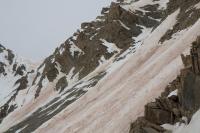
x: 120, y: 98
x: 14, y: 77
x: 100, y: 79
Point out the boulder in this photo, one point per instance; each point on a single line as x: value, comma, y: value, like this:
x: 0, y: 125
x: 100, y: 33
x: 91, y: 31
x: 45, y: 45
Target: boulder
x: 141, y: 125
x: 157, y: 115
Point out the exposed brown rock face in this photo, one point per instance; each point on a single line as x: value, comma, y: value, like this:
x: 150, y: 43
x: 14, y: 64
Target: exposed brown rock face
x: 190, y: 90
x: 115, y: 25
x: 170, y: 109
x: 22, y: 83
x: 164, y: 110
x: 61, y: 84
x: 141, y: 125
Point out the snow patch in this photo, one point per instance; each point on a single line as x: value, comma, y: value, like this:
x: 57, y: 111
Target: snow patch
x: 111, y: 47
x: 72, y: 77
x: 173, y: 93
x: 123, y: 25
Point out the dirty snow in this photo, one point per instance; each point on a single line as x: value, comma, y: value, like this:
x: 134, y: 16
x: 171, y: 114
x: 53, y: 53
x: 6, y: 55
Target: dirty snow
x: 118, y: 99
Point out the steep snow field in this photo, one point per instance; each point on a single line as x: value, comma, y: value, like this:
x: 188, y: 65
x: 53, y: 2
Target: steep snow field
x: 8, y: 80
x: 120, y: 97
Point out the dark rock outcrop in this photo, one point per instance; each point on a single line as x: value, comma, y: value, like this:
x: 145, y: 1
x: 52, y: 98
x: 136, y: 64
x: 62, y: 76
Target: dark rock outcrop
x: 61, y: 84
x: 141, y: 125
x: 2, y: 68
x: 190, y: 86
x: 19, y: 70
x: 163, y: 110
